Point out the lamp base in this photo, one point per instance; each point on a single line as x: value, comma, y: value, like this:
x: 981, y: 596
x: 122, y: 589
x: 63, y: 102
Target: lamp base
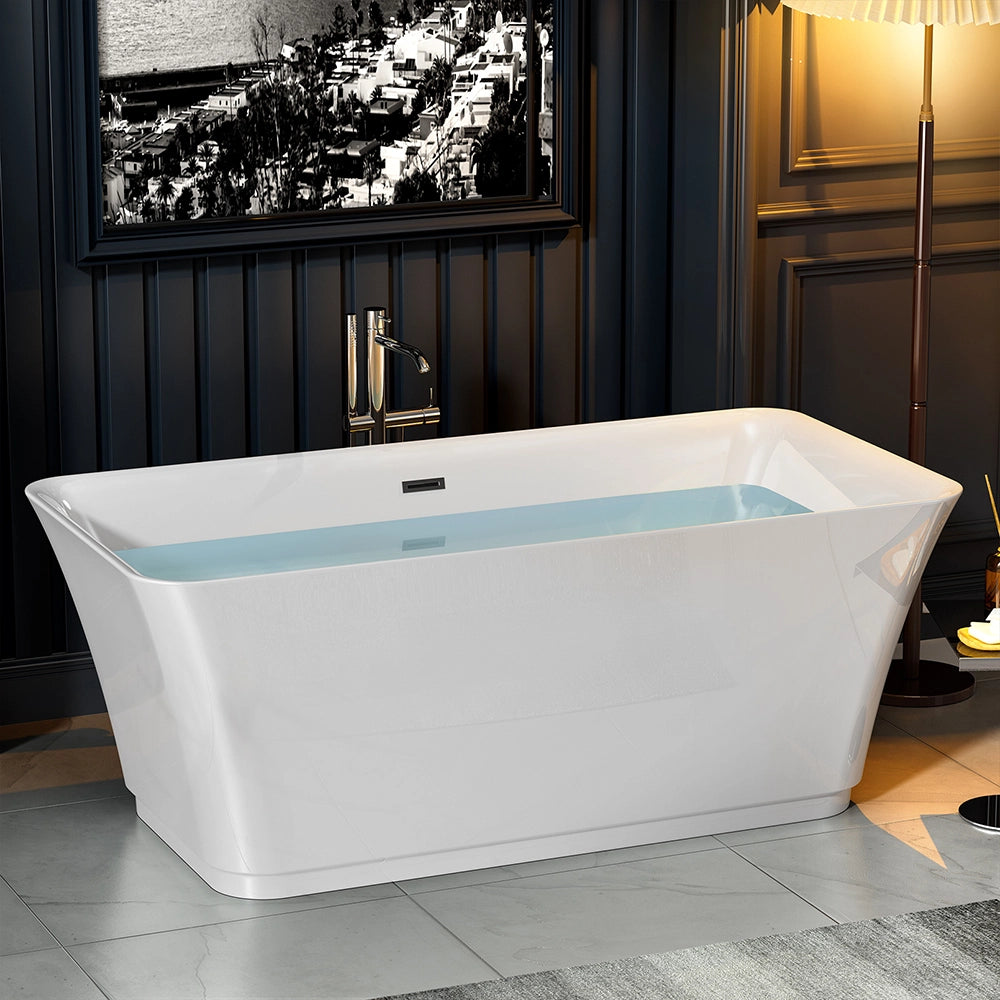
x: 982, y: 812
x: 935, y: 684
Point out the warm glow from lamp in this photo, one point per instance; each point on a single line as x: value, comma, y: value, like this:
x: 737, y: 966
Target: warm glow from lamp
x: 904, y: 11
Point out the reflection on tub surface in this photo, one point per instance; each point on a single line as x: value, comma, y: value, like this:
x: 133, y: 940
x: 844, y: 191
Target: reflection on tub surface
x: 486, y: 529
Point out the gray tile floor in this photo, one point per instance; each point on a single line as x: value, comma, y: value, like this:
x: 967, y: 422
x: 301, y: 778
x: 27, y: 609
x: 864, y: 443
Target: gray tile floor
x: 93, y: 905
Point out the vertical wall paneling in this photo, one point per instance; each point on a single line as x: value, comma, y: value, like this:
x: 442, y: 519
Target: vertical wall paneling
x: 630, y: 196
x: 79, y: 435
x: 538, y: 326
x: 177, y: 349
x: 222, y: 378
x: 7, y: 616
x: 416, y: 321
x: 251, y: 334
x: 24, y: 317
x: 646, y: 288
x: 464, y: 337
x: 738, y: 356
x: 122, y: 361
x: 695, y: 150
x: 27, y: 368
x: 491, y: 258
x: 513, y: 374
x: 46, y: 262
x: 559, y: 399
x: 73, y: 322
x: 154, y: 395
x: 372, y: 278
x: 62, y: 623
x: 606, y: 248
x: 444, y: 342
x: 275, y: 349
x: 202, y: 356
x: 320, y: 364
x: 300, y: 350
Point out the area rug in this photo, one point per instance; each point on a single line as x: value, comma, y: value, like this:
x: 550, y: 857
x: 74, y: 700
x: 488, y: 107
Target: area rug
x: 951, y: 953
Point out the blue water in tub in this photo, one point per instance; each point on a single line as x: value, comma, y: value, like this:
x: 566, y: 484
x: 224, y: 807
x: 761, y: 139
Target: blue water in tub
x: 410, y: 538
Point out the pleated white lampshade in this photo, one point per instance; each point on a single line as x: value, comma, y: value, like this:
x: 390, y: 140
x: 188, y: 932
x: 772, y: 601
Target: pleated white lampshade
x: 904, y: 11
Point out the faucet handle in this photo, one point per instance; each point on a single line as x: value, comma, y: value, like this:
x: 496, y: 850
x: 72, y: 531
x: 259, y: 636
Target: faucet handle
x: 352, y: 364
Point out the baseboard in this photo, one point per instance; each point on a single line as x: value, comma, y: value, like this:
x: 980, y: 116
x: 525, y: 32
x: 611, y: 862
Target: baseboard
x: 954, y: 586
x: 49, y: 687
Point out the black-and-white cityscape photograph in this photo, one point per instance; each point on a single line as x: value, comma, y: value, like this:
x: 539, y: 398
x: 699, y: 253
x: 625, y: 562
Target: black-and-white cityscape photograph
x: 225, y: 108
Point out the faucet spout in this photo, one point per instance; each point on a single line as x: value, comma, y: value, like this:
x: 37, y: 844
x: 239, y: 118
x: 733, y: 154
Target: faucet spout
x: 379, y: 419
x: 407, y: 350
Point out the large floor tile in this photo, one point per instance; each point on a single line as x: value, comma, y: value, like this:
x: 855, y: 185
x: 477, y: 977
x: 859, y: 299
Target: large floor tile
x: 594, y: 915
x: 93, y: 870
x: 868, y: 872
x: 968, y: 732
x: 573, y: 862
x: 906, y: 779
x: 20, y: 929
x: 362, y: 950
x: 45, y: 975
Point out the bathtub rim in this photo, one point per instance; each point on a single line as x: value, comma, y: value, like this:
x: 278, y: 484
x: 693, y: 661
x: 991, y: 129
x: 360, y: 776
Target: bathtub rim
x: 42, y: 493
x: 129, y: 571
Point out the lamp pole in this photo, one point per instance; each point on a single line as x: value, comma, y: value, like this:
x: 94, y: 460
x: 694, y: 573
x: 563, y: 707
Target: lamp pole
x: 911, y: 681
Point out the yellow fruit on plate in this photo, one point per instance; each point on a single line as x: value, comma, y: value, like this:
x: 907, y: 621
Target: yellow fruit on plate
x: 973, y: 643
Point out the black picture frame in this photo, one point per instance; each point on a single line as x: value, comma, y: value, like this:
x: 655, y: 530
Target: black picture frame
x: 97, y: 243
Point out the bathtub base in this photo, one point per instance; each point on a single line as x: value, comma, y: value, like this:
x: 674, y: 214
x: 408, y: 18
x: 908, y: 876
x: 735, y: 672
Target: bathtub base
x: 250, y: 885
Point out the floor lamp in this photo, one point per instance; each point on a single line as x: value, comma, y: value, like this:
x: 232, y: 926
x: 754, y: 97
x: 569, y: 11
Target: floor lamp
x: 912, y: 681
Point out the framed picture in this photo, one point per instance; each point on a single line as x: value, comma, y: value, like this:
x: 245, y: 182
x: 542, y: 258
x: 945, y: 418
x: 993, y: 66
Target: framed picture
x: 213, y: 126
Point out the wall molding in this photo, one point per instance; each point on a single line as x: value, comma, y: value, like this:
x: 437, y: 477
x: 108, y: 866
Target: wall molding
x: 799, y: 159
x: 49, y: 687
x: 851, y: 157
x: 794, y: 271
x: 952, y: 585
x: 792, y: 275
x: 789, y: 213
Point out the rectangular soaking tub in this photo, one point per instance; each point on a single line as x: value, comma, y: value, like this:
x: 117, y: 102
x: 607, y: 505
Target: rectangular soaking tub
x: 340, y: 668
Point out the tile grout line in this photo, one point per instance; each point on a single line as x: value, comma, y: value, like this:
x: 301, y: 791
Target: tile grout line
x: 97, y: 985
x: 9, y: 811
x: 56, y: 943
x: 452, y: 934
x: 778, y: 881
x: 938, y: 750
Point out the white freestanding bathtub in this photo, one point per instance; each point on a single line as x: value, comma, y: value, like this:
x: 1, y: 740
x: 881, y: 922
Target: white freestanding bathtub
x: 528, y: 662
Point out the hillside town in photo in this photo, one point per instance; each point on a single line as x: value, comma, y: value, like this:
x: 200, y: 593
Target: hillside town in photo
x: 429, y: 104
